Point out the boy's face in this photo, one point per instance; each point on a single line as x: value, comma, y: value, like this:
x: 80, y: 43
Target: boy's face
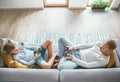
x: 105, y: 49
x: 15, y: 50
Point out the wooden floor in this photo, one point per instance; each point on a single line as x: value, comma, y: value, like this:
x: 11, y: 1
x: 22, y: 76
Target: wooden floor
x: 15, y: 23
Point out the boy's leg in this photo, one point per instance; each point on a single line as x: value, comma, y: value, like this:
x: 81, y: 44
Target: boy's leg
x: 62, y: 43
x: 46, y: 65
x: 48, y: 45
x: 51, y: 57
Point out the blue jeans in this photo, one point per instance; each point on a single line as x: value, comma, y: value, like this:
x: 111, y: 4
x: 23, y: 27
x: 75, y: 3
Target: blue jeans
x: 64, y: 63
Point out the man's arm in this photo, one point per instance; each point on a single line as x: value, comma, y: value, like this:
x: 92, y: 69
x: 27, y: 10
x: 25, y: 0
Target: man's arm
x: 94, y: 64
x: 85, y: 46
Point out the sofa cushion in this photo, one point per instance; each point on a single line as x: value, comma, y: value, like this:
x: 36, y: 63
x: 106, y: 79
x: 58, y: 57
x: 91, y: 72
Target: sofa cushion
x: 90, y: 75
x: 1, y: 62
x: 28, y: 75
x: 118, y: 47
x: 117, y: 53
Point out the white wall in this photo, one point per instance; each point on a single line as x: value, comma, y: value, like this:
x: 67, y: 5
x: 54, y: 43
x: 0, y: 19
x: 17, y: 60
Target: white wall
x: 78, y: 3
x: 8, y: 4
x: 115, y: 4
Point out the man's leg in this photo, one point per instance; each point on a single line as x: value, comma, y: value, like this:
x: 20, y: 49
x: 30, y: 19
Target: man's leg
x: 62, y: 43
x: 66, y: 64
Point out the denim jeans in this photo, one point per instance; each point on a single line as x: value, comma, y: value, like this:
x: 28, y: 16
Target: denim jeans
x: 64, y: 63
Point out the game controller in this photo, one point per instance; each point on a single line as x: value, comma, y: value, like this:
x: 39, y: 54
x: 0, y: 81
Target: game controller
x: 39, y: 50
x: 66, y: 51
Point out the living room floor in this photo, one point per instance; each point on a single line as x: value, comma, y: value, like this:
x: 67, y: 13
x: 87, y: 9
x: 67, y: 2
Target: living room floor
x: 15, y: 23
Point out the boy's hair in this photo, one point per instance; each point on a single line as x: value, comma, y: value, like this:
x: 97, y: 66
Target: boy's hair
x: 8, y: 47
x: 112, y: 44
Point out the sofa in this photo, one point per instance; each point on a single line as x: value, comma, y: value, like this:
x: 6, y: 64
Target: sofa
x: 111, y: 74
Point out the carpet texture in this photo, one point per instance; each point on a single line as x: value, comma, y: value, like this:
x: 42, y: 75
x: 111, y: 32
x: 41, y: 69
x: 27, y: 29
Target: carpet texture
x: 75, y: 38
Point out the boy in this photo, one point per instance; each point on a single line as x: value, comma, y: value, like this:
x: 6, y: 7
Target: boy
x: 30, y: 56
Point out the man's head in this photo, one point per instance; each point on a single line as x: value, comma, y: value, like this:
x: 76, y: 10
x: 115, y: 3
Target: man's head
x: 10, y: 48
x: 108, y: 47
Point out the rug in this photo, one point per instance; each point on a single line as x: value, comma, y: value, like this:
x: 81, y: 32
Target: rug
x: 75, y: 38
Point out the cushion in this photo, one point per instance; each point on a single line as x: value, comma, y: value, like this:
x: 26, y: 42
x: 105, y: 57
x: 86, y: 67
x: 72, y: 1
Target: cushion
x: 112, y: 60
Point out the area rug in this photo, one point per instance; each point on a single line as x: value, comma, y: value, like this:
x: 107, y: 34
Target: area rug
x: 75, y: 38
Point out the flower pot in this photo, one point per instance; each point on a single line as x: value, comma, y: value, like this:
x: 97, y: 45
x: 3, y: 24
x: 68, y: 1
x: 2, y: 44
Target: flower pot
x: 98, y: 7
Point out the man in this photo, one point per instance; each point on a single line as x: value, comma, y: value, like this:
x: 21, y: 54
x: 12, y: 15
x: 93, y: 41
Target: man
x: 30, y: 56
x: 96, y: 54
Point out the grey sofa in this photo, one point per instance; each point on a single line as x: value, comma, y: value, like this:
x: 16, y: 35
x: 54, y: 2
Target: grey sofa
x: 71, y: 75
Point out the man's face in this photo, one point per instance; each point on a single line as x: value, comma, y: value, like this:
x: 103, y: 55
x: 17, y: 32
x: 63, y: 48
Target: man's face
x: 105, y: 49
x: 15, y: 50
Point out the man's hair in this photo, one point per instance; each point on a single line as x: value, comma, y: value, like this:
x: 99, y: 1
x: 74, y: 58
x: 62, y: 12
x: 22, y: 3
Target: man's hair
x: 8, y: 47
x: 112, y: 44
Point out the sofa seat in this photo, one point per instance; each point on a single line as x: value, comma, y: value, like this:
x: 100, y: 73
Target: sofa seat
x: 28, y: 75
x: 90, y: 75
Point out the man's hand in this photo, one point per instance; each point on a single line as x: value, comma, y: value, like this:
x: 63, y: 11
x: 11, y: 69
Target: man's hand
x: 70, y: 47
x: 69, y: 57
x: 36, y: 56
x: 36, y: 48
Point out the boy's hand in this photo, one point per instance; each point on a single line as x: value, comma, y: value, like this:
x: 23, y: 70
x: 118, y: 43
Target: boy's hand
x: 69, y: 57
x: 36, y: 56
x: 70, y: 47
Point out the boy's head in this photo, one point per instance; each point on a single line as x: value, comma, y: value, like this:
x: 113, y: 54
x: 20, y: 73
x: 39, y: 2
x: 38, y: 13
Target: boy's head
x: 10, y: 48
x: 108, y: 47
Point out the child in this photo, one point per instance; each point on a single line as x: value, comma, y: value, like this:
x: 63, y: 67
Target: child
x: 31, y: 56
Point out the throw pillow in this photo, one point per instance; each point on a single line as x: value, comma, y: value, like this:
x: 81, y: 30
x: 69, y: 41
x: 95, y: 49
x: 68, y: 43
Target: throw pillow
x: 112, y: 60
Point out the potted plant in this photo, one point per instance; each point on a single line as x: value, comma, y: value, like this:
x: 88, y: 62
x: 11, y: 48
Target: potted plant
x: 100, y: 4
